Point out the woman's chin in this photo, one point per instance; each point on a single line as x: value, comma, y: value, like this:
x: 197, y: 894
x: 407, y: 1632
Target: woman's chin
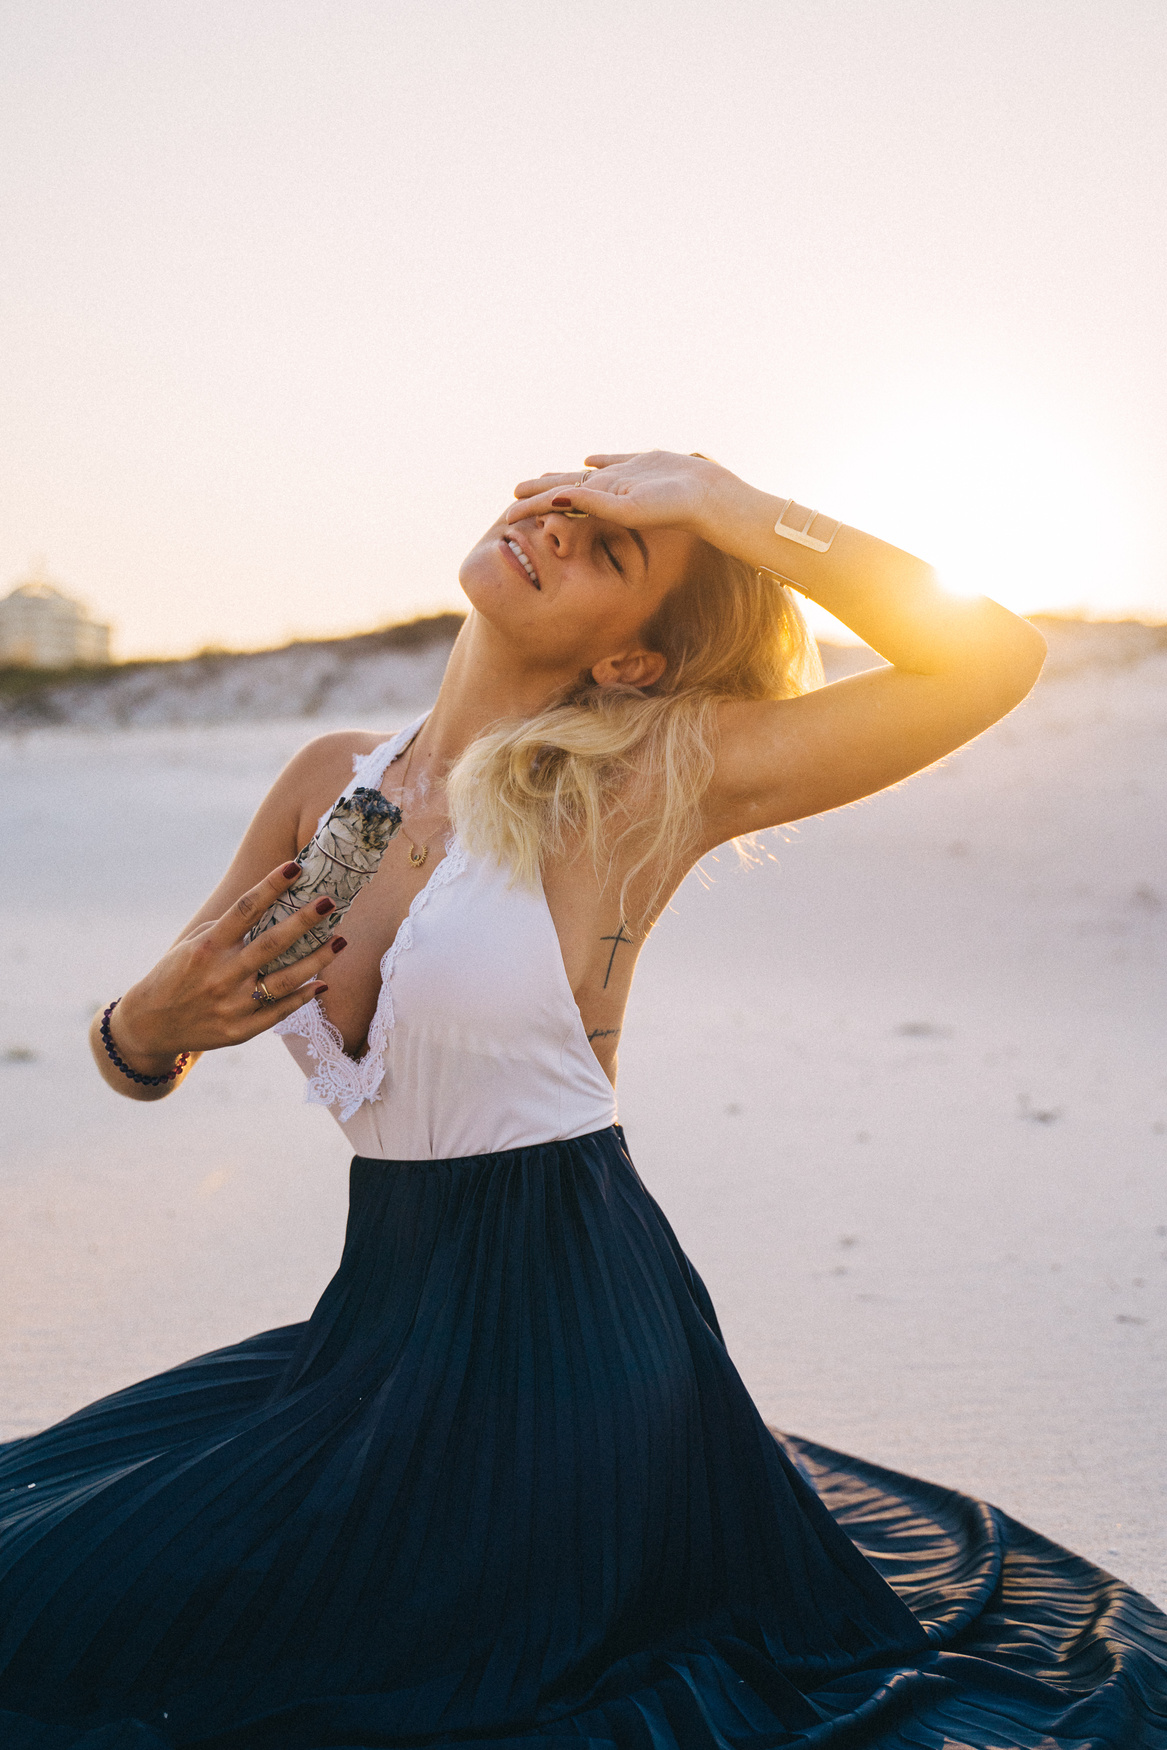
x: 473, y: 575
x: 481, y: 592
x: 489, y: 585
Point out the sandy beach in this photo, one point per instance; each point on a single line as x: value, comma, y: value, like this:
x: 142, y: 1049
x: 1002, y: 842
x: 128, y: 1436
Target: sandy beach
x: 900, y: 1087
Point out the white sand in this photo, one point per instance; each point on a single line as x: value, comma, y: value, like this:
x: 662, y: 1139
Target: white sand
x: 902, y: 1091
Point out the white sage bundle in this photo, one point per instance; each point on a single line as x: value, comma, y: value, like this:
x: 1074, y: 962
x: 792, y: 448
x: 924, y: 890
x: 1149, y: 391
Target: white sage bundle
x: 343, y: 854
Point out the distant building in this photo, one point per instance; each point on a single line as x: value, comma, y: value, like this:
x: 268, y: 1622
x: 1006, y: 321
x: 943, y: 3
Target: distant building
x: 41, y: 627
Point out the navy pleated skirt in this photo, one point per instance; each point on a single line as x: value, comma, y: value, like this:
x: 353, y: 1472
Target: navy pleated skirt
x: 505, y: 1489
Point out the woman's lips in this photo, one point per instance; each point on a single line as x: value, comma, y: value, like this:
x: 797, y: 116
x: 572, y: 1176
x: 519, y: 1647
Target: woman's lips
x: 520, y: 560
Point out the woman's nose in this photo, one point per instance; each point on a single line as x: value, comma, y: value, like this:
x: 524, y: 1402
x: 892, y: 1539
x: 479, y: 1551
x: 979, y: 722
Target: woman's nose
x: 559, y: 528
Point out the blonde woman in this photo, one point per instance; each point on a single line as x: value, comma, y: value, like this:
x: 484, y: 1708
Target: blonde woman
x: 505, y: 1487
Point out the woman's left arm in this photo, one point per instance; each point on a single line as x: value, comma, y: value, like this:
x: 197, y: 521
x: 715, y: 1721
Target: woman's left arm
x: 957, y: 664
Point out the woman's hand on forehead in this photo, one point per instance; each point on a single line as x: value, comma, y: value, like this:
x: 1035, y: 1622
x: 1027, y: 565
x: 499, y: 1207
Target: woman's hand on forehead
x: 650, y: 489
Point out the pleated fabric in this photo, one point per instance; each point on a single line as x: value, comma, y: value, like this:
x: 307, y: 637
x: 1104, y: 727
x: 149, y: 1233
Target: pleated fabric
x: 505, y: 1489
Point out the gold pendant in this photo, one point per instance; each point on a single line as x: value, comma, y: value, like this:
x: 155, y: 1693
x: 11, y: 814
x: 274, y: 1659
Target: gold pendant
x: 415, y: 859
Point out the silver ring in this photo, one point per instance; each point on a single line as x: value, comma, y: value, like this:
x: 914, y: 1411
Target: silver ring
x: 584, y: 475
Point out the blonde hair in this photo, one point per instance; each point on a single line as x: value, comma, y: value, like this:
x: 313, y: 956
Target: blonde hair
x: 618, y: 768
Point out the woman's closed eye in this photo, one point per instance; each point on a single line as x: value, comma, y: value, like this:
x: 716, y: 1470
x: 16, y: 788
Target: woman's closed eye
x: 613, y: 561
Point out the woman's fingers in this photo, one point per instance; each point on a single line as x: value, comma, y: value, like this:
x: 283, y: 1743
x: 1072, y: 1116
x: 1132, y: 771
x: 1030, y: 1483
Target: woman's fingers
x: 279, y: 937
x: 250, y: 907
x: 267, y: 1014
x: 615, y: 507
x: 528, y: 488
x: 290, y: 978
x: 651, y: 489
x: 568, y: 477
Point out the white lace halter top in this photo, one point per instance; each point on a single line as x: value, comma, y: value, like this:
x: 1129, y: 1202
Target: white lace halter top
x: 477, y: 1043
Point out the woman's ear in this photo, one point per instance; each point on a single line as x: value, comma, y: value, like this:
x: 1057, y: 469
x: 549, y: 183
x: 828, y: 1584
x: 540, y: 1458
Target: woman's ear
x: 640, y: 668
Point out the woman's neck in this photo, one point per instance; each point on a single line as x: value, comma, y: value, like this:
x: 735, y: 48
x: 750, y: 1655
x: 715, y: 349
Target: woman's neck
x: 481, y: 685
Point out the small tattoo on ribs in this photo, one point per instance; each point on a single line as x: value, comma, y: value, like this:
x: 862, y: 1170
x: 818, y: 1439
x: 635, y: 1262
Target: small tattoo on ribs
x: 616, y: 942
x: 604, y: 1033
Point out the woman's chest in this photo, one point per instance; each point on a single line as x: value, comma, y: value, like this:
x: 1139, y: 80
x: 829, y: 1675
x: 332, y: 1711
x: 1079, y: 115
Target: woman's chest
x: 465, y: 948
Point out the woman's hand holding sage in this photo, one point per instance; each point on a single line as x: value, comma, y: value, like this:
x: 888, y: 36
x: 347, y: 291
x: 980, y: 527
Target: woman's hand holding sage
x: 207, y: 991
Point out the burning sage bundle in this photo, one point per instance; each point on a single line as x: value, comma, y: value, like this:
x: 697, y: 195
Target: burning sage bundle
x: 343, y: 854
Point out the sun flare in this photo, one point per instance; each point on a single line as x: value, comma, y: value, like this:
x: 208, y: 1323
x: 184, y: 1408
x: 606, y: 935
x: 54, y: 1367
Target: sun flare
x: 1003, y: 504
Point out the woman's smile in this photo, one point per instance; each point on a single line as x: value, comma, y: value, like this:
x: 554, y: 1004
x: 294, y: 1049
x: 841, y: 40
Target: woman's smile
x: 518, y: 555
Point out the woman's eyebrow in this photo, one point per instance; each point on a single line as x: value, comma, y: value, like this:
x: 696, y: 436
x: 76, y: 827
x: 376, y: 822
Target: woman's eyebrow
x: 639, y: 539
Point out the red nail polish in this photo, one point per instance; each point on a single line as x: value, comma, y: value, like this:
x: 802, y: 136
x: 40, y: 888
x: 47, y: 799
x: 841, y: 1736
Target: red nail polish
x: 320, y: 990
x: 560, y: 503
x: 324, y: 906
x: 290, y: 871
x: 338, y: 942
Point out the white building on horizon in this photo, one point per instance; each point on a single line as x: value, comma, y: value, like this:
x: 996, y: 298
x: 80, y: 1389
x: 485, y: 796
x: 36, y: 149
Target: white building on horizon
x: 42, y: 627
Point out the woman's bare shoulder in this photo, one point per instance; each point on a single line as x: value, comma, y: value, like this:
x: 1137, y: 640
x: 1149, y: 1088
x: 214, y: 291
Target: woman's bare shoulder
x: 339, y: 744
x: 286, y: 818
x: 316, y: 774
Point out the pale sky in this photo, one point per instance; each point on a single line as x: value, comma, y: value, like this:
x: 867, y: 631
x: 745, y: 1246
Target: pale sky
x: 294, y: 293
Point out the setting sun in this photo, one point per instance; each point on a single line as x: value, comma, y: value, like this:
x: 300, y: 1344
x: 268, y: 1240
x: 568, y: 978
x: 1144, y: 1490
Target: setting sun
x: 1003, y: 501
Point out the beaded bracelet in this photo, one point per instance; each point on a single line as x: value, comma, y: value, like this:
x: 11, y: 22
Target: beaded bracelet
x: 120, y: 1063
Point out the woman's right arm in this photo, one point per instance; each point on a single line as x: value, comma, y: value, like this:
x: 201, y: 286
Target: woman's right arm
x: 199, y: 997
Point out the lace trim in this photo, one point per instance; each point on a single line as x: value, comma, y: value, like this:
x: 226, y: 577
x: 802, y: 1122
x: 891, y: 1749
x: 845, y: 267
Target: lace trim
x: 340, y: 1079
x: 349, y: 1081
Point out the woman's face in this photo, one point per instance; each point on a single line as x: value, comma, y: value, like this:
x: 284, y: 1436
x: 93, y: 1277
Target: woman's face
x: 568, y: 592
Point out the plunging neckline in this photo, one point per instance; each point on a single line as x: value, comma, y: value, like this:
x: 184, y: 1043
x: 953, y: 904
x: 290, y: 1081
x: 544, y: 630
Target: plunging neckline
x: 389, y: 957
x: 350, y: 1081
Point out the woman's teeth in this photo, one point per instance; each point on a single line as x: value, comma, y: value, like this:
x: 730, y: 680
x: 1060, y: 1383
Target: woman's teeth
x: 524, y: 562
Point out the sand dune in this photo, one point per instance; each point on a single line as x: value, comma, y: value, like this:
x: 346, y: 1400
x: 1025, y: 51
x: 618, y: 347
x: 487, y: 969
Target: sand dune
x: 901, y: 1089
x: 397, y: 669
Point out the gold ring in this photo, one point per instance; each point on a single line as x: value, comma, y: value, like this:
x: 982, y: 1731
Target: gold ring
x: 573, y: 512
x: 261, y: 994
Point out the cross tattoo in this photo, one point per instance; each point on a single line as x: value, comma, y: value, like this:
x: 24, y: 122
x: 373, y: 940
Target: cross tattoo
x: 615, y: 940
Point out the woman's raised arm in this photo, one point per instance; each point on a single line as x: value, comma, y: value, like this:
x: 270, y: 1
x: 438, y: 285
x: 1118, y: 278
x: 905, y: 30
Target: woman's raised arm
x: 956, y: 664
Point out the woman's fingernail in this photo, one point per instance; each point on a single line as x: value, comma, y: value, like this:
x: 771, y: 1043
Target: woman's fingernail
x: 324, y: 906
x: 290, y: 871
x: 560, y: 502
x: 320, y: 990
x: 338, y: 942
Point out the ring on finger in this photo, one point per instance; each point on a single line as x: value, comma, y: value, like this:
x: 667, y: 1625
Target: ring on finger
x: 573, y: 512
x: 261, y: 994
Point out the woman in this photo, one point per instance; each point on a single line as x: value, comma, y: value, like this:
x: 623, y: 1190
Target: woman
x: 505, y: 1487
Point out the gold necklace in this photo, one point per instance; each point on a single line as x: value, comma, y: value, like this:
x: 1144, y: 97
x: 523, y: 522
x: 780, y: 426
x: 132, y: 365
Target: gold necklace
x: 416, y: 857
